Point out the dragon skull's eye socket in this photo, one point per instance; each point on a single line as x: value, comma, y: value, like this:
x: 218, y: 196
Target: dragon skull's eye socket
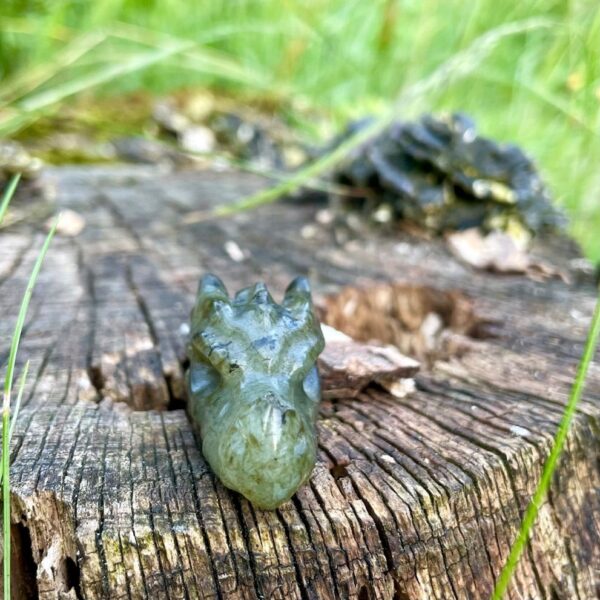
x: 204, y: 378
x: 311, y: 385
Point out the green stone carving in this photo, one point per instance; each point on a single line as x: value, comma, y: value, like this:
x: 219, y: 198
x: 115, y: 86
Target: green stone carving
x: 254, y: 387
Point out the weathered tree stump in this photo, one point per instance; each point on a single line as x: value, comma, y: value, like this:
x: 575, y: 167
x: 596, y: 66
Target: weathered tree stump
x: 413, y: 497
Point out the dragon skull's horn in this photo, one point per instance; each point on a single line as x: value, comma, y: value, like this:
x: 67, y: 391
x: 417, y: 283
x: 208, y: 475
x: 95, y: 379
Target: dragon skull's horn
x: 260, y: 295
x: 256, y: 294
x: 297, y: 295
x: 211, y: 288
x: 212, y: 297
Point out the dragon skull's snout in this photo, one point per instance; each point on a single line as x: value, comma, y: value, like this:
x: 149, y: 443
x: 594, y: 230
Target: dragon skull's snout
x: 264, y: 451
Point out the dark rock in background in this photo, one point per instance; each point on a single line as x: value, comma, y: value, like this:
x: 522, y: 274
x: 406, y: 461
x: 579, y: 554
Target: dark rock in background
x: 440, y: 173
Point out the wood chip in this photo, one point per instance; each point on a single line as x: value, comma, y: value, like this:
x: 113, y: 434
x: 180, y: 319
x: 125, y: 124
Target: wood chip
x: 347, y: 366
x: 70, y: 223
x: 499, y: 252
x: 496, y: 251
x: 234, y: 251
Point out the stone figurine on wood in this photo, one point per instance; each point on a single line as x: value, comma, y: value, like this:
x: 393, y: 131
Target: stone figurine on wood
x: 254, y: 387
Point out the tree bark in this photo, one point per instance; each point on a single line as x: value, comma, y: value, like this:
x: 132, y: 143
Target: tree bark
x: 415, y: 496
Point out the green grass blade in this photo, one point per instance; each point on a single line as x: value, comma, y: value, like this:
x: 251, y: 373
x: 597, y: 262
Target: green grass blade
x: 546, y: 96
x: 6, y: 502
x: 459, y: 65
x: 308, y: 173
x: 29, y: 108
x: 15, y: 414
x: 37, y: 76
x: 8, y: 194
x: 140, y: 61
x: 549, y: 467
x: 14, y: 346
x: 15, y: 411
x: 196, y: 57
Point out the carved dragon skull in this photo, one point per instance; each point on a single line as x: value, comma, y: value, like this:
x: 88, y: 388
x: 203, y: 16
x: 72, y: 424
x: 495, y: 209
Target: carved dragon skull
x: 254, y: 387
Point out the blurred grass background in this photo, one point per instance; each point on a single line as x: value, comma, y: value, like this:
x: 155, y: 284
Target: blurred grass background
x: 341, y: 58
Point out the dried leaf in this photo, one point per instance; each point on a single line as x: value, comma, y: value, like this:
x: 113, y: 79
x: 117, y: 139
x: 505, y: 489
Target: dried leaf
x: 499, y: 252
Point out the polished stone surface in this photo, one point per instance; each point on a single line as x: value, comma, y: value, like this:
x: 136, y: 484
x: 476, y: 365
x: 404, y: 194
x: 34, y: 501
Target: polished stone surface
x: 254, y: 387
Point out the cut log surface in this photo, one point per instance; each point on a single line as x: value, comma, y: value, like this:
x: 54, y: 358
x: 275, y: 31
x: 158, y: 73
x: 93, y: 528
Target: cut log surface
x: 414, y: 496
